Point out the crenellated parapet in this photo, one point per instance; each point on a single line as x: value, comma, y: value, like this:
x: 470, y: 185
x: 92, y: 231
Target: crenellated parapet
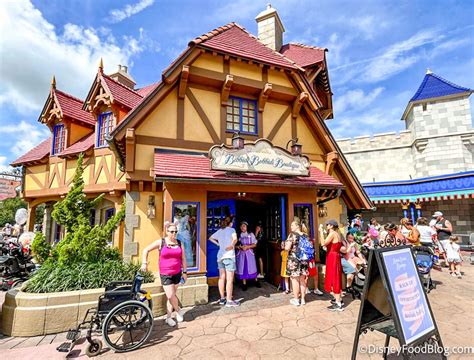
x: 382, y: 141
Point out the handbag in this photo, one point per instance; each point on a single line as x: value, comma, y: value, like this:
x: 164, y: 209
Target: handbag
x: 322, y: 255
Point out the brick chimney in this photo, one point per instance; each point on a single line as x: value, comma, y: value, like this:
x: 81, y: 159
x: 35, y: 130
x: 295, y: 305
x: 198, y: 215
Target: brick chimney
x: 270, y: 28
x: 122, y: 76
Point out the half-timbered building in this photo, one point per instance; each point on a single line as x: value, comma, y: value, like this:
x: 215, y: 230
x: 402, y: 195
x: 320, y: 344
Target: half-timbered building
x: 235, y: 126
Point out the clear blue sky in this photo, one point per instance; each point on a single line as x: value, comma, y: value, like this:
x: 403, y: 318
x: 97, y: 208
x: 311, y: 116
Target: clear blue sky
x: 378, y: 51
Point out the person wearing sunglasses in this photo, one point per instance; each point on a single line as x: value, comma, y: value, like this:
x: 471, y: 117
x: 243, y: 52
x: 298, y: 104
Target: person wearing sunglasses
x: 173, y: 268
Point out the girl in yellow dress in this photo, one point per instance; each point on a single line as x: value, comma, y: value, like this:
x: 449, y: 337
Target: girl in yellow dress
x: 283, y: 274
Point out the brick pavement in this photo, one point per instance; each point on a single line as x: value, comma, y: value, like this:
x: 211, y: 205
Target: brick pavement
x: 265, y: 327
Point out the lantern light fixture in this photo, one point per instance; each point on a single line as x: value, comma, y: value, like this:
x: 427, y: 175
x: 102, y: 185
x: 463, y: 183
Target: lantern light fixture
x: 151, y: 211
x: 237, y: 141
x: 296, y: 149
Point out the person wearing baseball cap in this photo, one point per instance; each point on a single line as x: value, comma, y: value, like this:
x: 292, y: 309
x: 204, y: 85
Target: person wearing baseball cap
x: 444, y: 229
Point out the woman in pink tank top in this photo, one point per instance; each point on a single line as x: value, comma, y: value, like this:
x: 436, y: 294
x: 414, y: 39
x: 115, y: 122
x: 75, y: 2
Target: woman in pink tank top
x: 172, y: 269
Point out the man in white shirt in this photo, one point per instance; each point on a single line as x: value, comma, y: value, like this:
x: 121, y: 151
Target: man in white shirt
x: 226, y: 238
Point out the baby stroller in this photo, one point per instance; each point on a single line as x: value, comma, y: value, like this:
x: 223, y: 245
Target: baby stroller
x: 424, y: 258
x: 357, y: 287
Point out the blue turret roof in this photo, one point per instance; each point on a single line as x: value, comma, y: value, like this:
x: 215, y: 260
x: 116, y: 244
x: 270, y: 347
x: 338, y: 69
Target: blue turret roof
x: 434, y: 86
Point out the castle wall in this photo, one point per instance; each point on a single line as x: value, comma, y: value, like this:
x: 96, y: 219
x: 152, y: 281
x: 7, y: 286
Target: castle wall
x: 439, y: 140
x: 382, y: 157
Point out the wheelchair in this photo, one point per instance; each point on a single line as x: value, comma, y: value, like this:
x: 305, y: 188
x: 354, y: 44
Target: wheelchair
x: 123, y: 316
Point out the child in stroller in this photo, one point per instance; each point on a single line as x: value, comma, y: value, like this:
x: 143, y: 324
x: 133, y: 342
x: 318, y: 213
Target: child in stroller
x: 424, y: 259
x: 353, y: 264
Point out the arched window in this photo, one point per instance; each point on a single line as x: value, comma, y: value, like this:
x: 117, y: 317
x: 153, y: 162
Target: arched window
x: 59, y: 138
x: 106, y: 123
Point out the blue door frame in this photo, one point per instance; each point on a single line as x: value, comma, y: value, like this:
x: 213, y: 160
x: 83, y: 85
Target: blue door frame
x: 216, y: 211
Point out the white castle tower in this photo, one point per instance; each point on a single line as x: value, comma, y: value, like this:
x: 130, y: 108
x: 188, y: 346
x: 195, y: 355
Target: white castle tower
x: 439, y: 119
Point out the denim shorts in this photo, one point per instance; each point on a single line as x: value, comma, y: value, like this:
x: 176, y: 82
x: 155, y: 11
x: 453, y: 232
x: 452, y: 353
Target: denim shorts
x: 228, y: 264
x: 347, y: 267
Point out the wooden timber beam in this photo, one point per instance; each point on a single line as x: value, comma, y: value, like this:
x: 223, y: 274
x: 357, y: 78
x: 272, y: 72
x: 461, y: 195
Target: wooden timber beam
x: 130, y: 150
x: 331, y: 160
x: 226, y: 87
x: 302, y: 97
x: 183, y: 83
x: 263, y: 97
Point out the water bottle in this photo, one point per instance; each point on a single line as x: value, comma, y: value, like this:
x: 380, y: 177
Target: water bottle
x: 182, y: 281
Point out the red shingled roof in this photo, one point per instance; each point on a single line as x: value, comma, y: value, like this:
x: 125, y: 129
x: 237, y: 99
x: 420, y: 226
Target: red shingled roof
x: 72, y: 107
x: 39, y: 152
x: 84, y: 144
x: 234, y: 39
x: 180, y: 166
x: 123, y: 94
x: 145, y: 91
x: 303, y: 55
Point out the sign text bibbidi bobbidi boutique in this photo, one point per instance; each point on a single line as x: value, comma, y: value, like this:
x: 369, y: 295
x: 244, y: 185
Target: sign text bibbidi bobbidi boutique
x: 258, y: 157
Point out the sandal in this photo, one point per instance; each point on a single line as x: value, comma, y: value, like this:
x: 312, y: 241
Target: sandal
x: 287, y: 291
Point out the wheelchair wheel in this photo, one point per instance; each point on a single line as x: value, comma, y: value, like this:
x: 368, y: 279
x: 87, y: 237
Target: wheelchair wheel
x: 94, y: 348
x: 127, y: 326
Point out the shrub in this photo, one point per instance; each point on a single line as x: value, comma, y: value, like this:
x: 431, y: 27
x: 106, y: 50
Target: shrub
x: 80, y: 276
x: 83, y: 259
x: 41, y: 248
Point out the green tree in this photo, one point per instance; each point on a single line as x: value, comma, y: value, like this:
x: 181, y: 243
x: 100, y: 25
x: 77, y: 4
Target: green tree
x: 70, y: 265
x: 8, y: 208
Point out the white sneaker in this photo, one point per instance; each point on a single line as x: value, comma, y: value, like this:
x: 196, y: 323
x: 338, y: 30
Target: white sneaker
x: 260, y: 276
x: 170, y: 322
x: 302, y: 302
x: 295, y: 302
x: 318, y: 292
x: 180, y: 316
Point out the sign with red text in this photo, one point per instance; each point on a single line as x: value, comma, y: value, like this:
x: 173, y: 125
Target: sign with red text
x: 8, y: 188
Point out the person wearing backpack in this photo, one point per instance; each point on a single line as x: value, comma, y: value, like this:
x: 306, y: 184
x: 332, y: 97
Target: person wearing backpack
x: 332, y: 281
x: 297, y: 263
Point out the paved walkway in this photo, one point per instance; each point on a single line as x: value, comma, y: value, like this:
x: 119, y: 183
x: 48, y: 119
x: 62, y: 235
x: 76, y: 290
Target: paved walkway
x: 266, y: 327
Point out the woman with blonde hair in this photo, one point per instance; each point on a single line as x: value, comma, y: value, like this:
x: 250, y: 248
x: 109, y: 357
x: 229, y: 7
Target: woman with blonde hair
x: 173, y: 269
x: 296, y: 268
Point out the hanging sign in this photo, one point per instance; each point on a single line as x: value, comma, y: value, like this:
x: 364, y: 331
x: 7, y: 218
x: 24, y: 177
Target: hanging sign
x: 7, y: 188
x: 259, y: 157
x: 394, y: 303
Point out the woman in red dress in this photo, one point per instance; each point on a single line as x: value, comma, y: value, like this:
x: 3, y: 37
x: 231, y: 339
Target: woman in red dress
x: 332, y: 282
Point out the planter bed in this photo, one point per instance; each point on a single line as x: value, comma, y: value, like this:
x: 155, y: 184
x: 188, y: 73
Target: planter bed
x: 30, y: 314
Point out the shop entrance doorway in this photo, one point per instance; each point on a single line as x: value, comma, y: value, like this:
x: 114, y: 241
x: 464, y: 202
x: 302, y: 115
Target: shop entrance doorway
x: 267, y: 209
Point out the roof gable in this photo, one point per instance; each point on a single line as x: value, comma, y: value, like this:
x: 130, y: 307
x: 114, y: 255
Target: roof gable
x: 121, y: 93
x: 303, y: 55
x: 107, y: 91
x: 72, y: 108
x: 234, y: 39
x: 434, y: 86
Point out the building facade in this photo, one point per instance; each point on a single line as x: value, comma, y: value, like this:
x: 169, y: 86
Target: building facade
x: 235, y: 126
x: 426, y: 168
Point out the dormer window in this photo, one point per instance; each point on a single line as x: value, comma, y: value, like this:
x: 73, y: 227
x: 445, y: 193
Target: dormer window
x: 58, y: 139
x: 106, y: 123
x: 241, y: 115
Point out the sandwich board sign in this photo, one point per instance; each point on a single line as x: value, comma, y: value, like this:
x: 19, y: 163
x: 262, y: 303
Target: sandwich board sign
x: 394, y: 303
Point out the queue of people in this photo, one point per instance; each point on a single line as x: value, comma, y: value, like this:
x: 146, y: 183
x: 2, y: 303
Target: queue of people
x: 241, y: 256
